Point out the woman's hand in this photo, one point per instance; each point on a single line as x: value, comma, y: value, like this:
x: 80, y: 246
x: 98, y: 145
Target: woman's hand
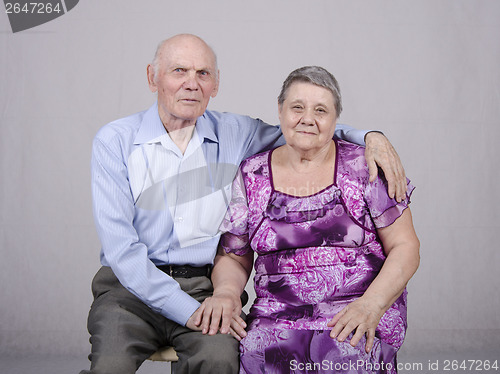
x: 379, y: 151
x: 360, y: 316
x: 221, y: 312
x: 363, y: 315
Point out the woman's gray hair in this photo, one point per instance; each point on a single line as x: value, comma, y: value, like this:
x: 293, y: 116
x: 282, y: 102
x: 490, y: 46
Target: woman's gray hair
x: 315, y: 75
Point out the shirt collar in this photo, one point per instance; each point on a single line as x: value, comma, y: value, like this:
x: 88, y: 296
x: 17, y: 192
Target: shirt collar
x: 205, y: 125
x: 151, y: 129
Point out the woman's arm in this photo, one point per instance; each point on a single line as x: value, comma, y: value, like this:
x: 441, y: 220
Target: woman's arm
x: 401, y: 246
x: 229, y: 277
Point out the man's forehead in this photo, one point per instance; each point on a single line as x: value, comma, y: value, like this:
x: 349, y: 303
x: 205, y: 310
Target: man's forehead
x: 188, y: 58
x: 189, y: 64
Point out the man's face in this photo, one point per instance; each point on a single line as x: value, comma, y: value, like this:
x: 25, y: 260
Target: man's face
x: 185, y: 81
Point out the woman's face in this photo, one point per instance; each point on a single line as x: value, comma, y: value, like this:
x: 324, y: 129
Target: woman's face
x: 308, y: 117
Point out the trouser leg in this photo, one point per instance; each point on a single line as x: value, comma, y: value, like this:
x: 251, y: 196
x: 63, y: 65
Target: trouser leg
x: 122, y: 328
x: 200, y: 353
x: 125, y: 332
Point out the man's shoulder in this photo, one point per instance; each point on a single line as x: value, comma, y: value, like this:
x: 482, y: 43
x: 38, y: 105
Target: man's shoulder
x: 124, y: 128
x: 230, y: 119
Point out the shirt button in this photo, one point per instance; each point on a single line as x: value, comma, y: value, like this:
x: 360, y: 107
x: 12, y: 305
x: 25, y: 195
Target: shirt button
x: 180, y: 219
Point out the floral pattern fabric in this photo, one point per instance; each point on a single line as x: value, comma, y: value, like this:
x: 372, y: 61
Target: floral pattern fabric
x: 315, y: 255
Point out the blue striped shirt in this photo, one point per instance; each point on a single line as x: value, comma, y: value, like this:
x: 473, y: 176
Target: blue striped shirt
x: 154, y: 205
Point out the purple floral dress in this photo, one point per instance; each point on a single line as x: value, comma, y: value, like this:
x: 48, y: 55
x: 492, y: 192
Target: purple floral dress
x: 316, y: 254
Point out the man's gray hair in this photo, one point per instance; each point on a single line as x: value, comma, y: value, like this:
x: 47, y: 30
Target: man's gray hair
x: 315, y: 75
x: 156, y: 59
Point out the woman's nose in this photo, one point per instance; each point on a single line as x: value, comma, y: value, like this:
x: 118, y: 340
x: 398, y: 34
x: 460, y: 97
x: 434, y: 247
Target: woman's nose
x: 308, y: 117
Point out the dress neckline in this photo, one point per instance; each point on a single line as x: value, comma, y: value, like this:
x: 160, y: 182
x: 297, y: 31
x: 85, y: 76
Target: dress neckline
x: 333, y: 184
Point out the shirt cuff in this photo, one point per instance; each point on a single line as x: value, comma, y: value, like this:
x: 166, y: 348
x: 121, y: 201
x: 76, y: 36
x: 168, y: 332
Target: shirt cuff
x: 350, y: 134
x: 369, y: 131
x: 180, y: 307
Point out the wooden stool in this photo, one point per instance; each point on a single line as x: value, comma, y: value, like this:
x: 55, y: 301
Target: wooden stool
x: 166, y: 354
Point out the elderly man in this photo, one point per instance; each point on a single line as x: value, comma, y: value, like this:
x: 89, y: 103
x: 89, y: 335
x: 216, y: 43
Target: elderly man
x: 161, y: 183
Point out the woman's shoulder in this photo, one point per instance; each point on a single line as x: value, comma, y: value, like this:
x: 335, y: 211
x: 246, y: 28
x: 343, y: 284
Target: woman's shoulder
x: 352, y: 159
x: 256, y: 162
x: 350, y: 148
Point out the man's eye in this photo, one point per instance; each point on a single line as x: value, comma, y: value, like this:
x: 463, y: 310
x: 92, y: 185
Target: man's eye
x: 203, y: 73
x: 178, y: 70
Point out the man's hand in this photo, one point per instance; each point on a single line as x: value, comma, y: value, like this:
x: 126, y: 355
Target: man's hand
x: 379, y: 151
x: 221, y: 312
x: 193, y: 322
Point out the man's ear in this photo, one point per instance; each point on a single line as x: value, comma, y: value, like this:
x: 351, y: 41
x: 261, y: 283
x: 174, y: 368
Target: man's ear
x: 151, y: 78
x: 216, y: 88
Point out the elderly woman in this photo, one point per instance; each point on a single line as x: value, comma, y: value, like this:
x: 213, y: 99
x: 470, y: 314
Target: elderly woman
x: 334, y: 252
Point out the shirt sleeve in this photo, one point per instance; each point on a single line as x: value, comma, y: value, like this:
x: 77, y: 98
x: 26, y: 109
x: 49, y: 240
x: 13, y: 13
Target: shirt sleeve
x: 263, y: 137
x: 384, y: 210
x: 114, y: 210
x: 350, y: 134
x: 266, y: 137
x: 235, y: 224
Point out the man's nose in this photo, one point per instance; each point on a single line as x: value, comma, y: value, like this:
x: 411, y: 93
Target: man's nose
x: 191, y: 82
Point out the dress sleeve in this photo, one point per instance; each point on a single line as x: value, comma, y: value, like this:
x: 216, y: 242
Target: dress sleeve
x: 384, y: 210
x: 235, y: 224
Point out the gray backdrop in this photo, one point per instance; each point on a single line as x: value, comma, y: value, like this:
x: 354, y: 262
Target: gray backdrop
x: 424, y: 72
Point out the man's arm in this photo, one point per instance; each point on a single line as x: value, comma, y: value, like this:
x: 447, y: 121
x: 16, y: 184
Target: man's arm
x: 127, y: 256
x: 379, y: 151
x: 350, y: 134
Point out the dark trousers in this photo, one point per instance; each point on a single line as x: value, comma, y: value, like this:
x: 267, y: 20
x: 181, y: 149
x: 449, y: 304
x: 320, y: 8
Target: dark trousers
x: 125, y: 332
